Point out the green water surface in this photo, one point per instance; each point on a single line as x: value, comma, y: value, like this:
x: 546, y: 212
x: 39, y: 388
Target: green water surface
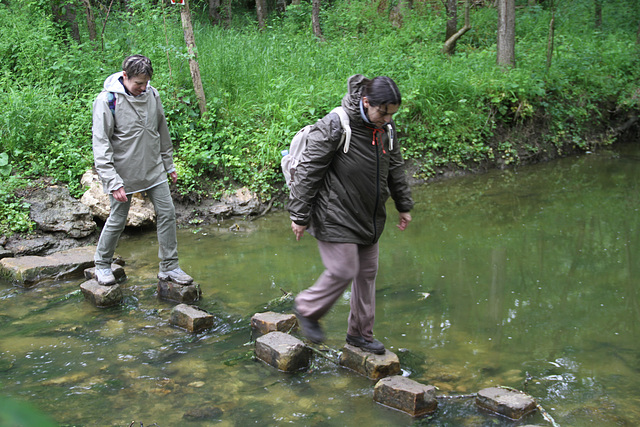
x: 526, y: 278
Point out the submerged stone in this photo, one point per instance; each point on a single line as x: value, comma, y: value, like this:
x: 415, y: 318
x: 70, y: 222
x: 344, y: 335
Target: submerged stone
x: 263, y: 323
x: 374, y: 366
x: 29, y: 270
x: 179, y: 293
x: 199, y: 414
x: 283, y: 351
x: 406, y: 395
x: 510, y: 403
x: 101, y: 296
x: 191, y: 318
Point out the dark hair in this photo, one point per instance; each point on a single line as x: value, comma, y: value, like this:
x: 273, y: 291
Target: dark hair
x: 137, y: 65
x: 382, y: 90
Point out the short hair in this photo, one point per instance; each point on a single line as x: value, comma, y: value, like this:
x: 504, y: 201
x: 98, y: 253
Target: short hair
x: 136, y: 65
x: 382, y: 90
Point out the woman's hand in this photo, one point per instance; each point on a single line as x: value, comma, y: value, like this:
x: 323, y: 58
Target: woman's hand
x: 298, y: 230
x: 405, y: 219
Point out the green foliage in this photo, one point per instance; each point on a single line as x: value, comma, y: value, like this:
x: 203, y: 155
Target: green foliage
x: 261, y: 87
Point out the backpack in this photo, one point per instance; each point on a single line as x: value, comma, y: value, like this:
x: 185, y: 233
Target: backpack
x: 291, y: 158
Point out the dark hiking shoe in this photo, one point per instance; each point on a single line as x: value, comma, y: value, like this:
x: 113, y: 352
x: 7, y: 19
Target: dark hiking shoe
x: 310, y: 328
x: 105, y: 277
x: 375, y: 346
x: 176, y: 276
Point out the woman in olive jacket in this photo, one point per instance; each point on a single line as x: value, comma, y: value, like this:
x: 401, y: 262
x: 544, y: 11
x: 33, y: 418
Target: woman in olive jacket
x: 340, y: 199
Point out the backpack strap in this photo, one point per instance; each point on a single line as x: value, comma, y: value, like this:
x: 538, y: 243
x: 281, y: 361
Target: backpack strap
x: 111, y: 101
x: 344, y: 121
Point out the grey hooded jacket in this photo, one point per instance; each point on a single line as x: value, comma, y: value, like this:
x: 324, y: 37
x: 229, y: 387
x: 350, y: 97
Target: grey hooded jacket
x: 341, y: 196
x: 131, y: 147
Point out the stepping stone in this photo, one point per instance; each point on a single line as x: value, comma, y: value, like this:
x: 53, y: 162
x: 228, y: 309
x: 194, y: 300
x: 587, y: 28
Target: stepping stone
x: 283, y: 351
x: 172, y: 291
x: 374, y: 366
x: 263, y: 323
x: 29, y: 270
x: 191, y: 318
x: 101, y: 296
x: 510, y: 403
x: 406, y: 395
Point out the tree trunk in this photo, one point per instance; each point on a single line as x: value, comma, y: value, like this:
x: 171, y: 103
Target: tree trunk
x: 214, y: 12
x: 261, y: 10
x: 506, y: 43
x: 551, y: 39
x: 91, y: 22
x: 190, y: 40
x: 64, y: 13
x: 315, y: 20
x: 450, y: 43
x: 452, y: 23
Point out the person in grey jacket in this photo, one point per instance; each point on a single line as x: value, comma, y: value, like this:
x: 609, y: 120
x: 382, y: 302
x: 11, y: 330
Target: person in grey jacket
x: 133, y: 153
x: 339, y: 198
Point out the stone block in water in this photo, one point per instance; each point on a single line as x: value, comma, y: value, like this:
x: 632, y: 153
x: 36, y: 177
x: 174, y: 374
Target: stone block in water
x: 510, y: 403
x: 179, y: 293
x: 101, y: 296
x: 406, y: 395
x: 191, y: 318
x: 283, y: 351
x: 374, y: 366
x: 263, y: 323
x: 117, y: 269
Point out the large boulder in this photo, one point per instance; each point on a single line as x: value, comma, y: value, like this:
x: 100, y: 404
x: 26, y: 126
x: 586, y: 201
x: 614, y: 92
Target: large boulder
x: 54, y: 210
x: 141, y: 212
x: 243, y: 202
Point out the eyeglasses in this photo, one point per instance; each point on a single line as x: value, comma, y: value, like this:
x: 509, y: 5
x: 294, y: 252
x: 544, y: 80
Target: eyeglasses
x: 384, y: 112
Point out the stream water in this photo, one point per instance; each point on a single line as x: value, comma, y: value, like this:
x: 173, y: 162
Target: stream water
x: 526, y: 278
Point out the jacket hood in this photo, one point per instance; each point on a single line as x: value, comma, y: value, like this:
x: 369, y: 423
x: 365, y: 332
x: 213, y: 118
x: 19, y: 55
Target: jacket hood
x: 351, y: 101
x: 113, y: 84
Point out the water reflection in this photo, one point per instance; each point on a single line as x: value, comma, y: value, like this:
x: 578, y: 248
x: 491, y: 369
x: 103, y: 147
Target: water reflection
x: 521, y: 278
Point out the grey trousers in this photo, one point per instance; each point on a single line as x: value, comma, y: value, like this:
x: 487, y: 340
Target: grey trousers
x: 344, y: 263
x: 160, y: 196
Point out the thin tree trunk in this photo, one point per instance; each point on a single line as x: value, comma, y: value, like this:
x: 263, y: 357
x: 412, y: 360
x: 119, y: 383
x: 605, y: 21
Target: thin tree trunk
x: 551, y: 39
x: 315, y: 20
x: 91, y: 22
x: 189, y: 39
x: 598, y: 13
x: 214, y: 11
x: 261, y: 11
x: 506, y: 44
x: 65, y: 15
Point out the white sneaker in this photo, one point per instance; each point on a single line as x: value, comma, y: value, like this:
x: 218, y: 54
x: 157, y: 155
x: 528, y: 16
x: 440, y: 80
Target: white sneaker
x: 176, y: 275
x: 105, y: 277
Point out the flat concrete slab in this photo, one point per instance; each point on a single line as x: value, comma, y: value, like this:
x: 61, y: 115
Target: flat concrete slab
x: 29, y: 270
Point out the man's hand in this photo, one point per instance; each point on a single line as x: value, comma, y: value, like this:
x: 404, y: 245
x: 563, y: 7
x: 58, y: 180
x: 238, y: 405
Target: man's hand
x: 298, y: 230
x: 119, y: 195
x: 174, y: 176
x: 405, y: 219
